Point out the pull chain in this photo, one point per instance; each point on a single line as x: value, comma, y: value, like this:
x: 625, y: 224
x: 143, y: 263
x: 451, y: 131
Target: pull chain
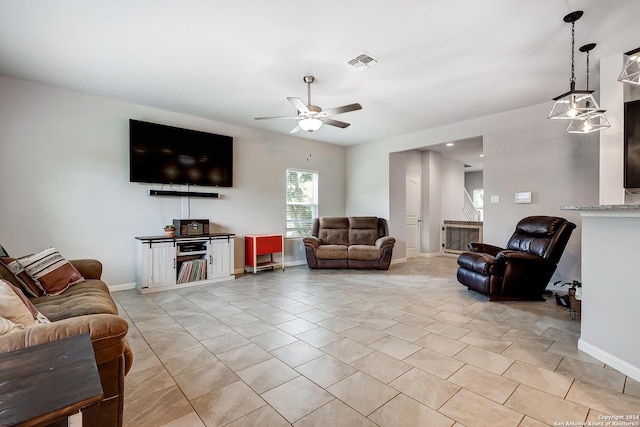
x: 587, y: 70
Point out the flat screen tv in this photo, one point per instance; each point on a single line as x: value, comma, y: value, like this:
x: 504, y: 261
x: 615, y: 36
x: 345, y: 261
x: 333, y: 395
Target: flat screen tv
x: 632, y: 145
x: 170, y: 155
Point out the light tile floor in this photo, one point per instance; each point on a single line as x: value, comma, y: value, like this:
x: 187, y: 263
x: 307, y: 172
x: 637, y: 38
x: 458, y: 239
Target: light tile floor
x: 404, y: 347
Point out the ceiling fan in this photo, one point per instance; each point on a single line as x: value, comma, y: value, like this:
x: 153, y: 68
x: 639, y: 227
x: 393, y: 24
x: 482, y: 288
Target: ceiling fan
x: 311, y: 117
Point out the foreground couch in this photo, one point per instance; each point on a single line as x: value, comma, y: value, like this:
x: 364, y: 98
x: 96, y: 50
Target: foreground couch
x: 85, y: 307
x: 523, y: 269
x: 349, y: 242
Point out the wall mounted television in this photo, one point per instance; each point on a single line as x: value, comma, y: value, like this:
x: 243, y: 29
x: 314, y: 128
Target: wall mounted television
x: 632, y: 146
x: 169, y: 155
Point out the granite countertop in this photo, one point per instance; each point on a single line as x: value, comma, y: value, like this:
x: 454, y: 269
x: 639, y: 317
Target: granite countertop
x: 630, y: 206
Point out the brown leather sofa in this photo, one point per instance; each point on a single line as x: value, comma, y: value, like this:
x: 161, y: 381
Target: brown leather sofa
x: 349, y: 242
x: 86, y: 307
x: 523, y: 269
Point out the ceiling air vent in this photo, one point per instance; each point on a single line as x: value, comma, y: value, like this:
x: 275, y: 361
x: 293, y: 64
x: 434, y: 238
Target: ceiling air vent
x: 363, y: 61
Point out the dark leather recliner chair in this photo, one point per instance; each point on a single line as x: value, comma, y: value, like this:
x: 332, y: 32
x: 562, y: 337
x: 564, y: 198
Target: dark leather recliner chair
x: 523, y: 269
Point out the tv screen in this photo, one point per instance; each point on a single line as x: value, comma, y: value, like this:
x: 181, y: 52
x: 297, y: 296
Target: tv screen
x: 170, y: 155
x: 632, y: 145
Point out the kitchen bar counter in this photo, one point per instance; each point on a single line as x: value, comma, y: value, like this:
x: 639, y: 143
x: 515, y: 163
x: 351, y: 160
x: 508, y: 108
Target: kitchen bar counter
x: 611, y: 285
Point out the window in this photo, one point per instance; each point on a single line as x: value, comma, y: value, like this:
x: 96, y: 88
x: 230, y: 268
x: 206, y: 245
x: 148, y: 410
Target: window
x: 302, y: 202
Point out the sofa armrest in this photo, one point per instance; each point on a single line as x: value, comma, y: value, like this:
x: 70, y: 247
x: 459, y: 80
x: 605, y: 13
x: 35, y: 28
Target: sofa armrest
x: 484, y: 248
x: 385, y: 242
x: 312, y: 242
x: 89, y: 268
x: 480, y: 262
x: 107, y: 333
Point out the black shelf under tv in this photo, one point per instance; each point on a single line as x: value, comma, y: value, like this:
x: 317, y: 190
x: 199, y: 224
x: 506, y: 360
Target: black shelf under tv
x: 183, y: 194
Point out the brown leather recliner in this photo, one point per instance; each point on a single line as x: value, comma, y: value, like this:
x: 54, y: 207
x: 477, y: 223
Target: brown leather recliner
x: 523, y: 269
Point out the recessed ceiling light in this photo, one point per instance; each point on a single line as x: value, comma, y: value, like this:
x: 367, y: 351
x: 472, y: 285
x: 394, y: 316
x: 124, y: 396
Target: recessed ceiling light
x: 449, y: 144
x: 481, y: 155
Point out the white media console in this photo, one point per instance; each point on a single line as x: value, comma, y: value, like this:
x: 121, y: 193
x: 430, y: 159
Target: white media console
x: 181, y: 261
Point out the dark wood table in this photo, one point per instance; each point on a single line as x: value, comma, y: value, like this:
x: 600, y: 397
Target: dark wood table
x: 48, y: 382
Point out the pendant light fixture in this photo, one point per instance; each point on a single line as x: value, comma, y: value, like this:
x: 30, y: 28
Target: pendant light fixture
x: 631, y: 70
x: 574, y: 103
x: 594, y: 120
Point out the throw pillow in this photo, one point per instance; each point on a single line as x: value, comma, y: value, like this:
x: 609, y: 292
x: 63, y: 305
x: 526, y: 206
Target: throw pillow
x: 7, y: 326
x: 15, y: 306
x: 51, y: 271
x: 26, y: 282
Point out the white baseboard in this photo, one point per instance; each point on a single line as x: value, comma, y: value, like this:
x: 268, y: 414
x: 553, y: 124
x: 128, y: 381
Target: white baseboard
x: 448, y: 254
x: 398, y: 260
x: 430, y: 254
x: 294, y: 263
x: 122, y: 287
x: 611, y: 360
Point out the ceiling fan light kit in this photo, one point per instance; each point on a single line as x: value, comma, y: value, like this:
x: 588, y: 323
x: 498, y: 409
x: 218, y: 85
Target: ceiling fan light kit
x: 311, y: 117
x: 310, y: 124
x: 631, y: 69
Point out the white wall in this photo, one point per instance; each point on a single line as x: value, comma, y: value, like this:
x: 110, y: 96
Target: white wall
x: 367, y: 183
x: 612, y: 139
x: 610, y: 290
x: 452, y: 190
x: 431, y: 202
x: 65, y: 175
x: 397, y: 203
x: 523, y: 151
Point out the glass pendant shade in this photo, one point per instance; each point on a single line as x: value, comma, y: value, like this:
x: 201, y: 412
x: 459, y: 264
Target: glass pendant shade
x: 590, y: 122
x: 631, y: 70
x: 572, y: 104
x: 310, y: 124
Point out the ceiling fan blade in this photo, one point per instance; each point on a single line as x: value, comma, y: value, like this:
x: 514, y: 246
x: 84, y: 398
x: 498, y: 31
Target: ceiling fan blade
x: 301, y: 106
x: 336, y: 123
x: 276, y: 117
x: 340, y: 110
x: 295, y: 129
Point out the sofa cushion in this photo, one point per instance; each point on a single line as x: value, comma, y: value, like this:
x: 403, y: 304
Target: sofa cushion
x: 51, y: 271
x: 332, y: 252
x: 334, y: 230
x: 364, y: 252
x: 363, y: 230
x: 88, y: 297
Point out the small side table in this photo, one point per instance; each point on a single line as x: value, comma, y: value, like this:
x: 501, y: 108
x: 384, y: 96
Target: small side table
x: 48, y: 382
x: 263, y: 244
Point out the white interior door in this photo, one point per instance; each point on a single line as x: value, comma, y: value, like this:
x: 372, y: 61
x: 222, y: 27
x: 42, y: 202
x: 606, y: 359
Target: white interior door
x: 412, y: 214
